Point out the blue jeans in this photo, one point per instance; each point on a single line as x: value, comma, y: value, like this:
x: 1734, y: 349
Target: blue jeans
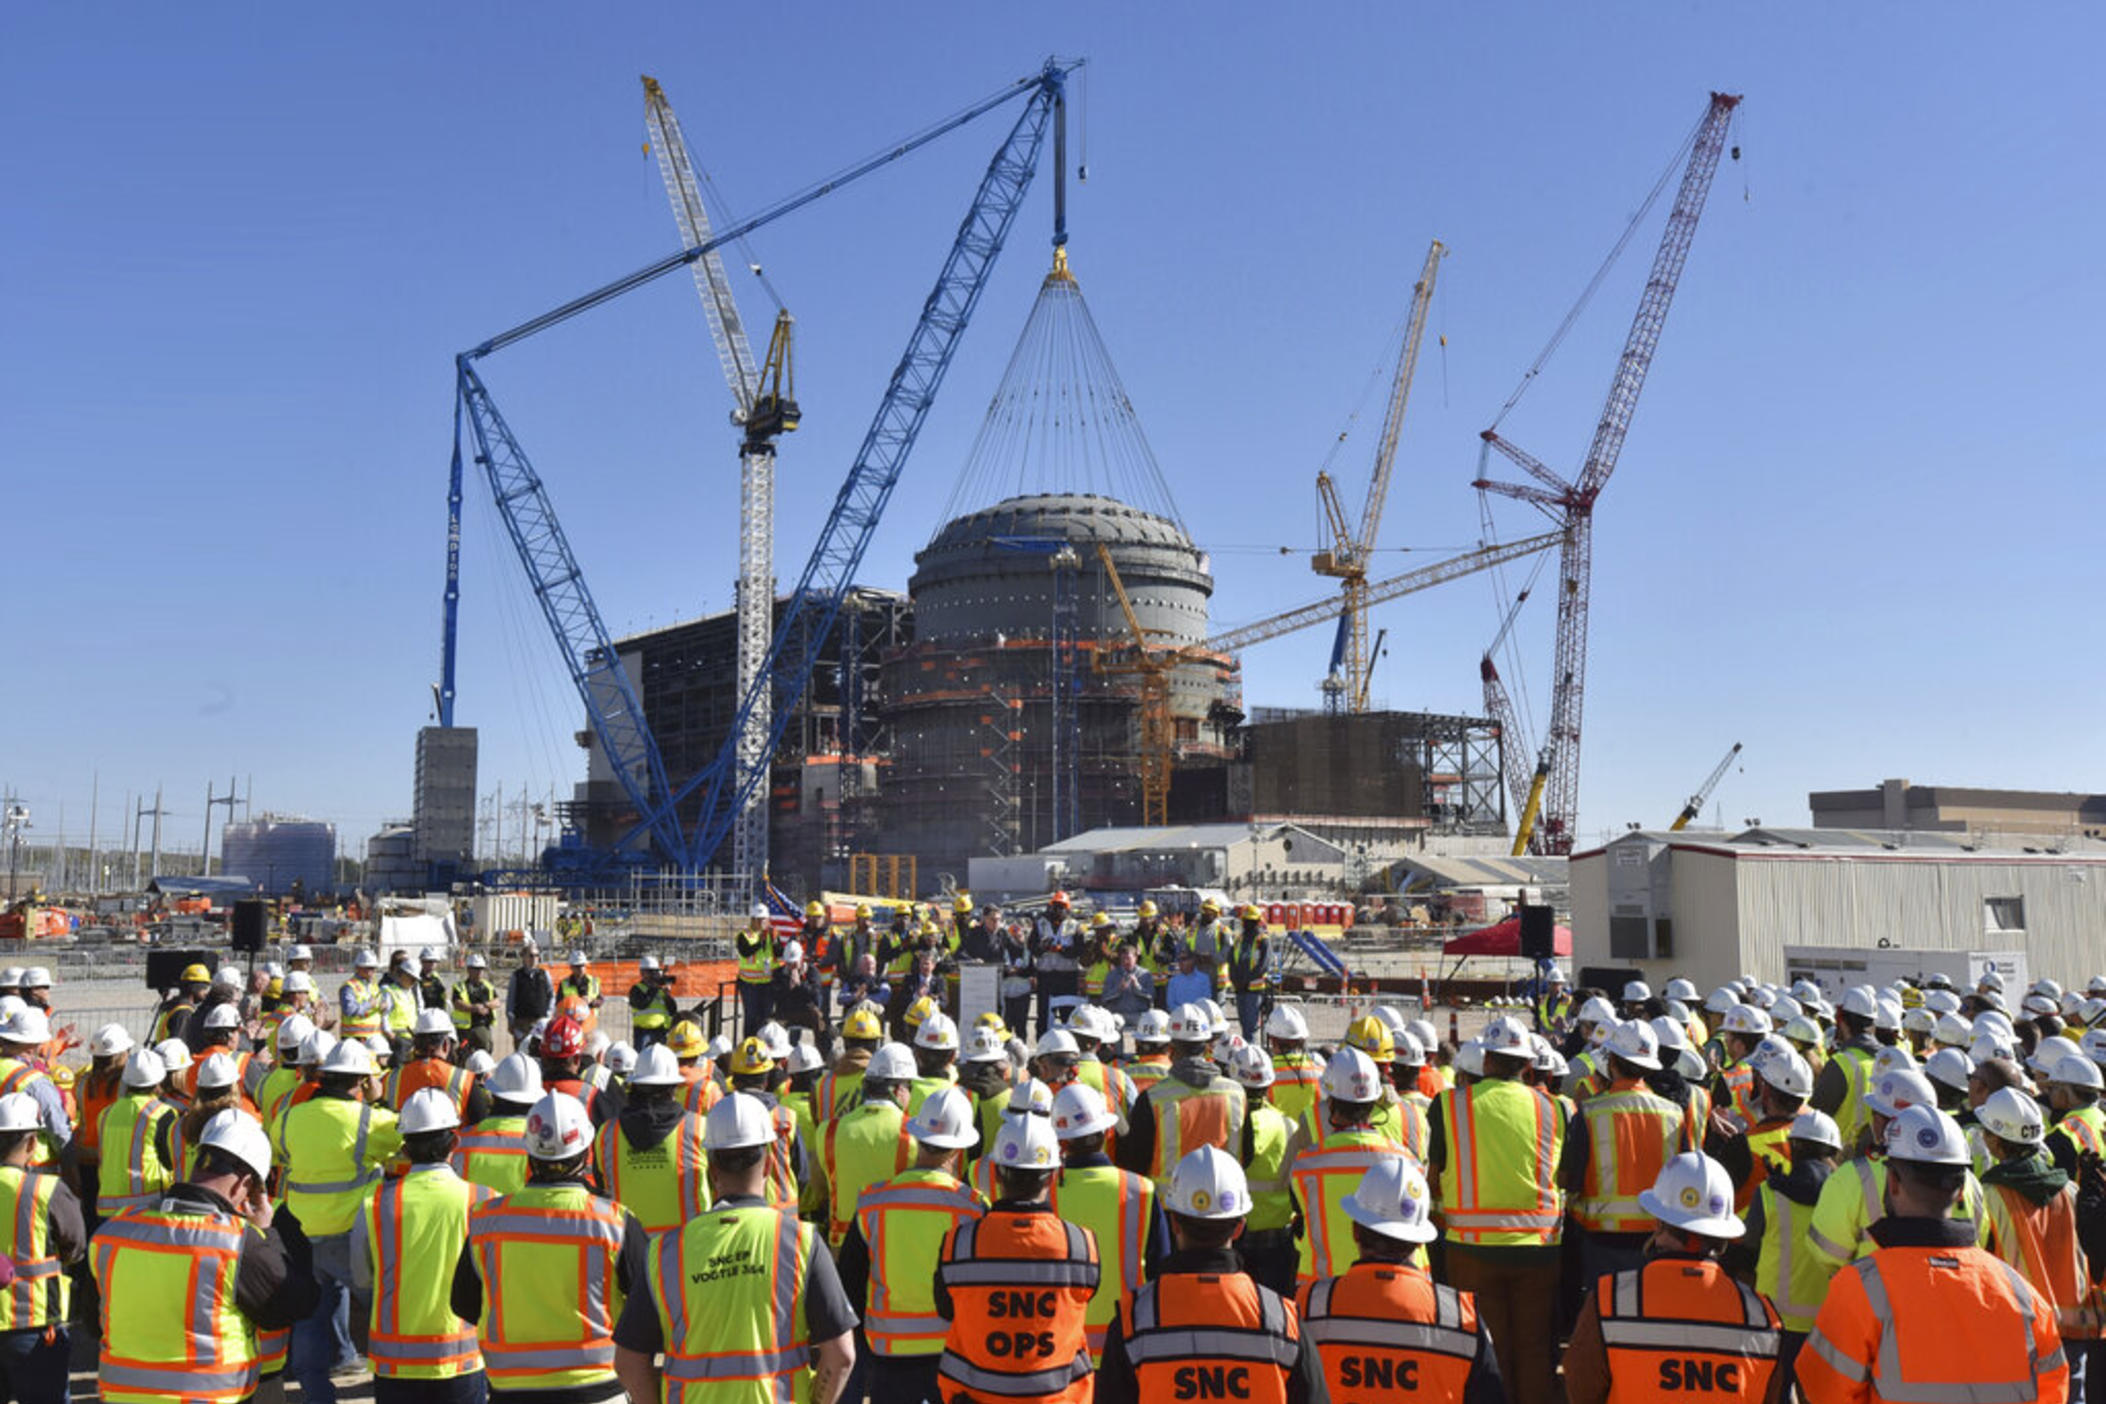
x: 1250, y: 1012
x: 322, y: 1342
x: 34, y: 1371
x: 461, y: 1389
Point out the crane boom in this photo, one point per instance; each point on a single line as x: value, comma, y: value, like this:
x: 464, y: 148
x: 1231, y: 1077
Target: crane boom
x: 1702, y: 796
x: 1399, y: 396
x: 684, y: 190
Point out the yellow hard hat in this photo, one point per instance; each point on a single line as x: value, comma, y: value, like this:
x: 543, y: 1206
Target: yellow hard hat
x: 919, y: 1010
x: 1210, y: 905
x: 1100, y: 920
x: 862, y: 1026
x: 195, y: 972
x: 862, y: 911
x: 685, y: 1040
x: 276, y: 988
x: 815, y: 909
x: 1252, y: 913
x: 962, y: 903
x: 751, y: 1056
x: 1147, y: 909
x: 1371, y: 1036
x: 989, y: 1019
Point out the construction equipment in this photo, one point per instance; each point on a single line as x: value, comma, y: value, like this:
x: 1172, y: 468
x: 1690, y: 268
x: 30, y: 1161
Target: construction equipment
x: 762, y: 414
x: 1571, y: 503
x: 1064, y: 683
x: 1702, y: 796
x: 1345, y: 688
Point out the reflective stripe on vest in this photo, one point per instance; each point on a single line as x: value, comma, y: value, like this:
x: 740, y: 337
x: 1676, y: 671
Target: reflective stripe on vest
x: 1188, y: 1117
x: 41, y: 1294
x: 555, y: 1249
x: 1322, y: 1179
x: 360, y: 1003
x: 1918, y: 1383
x: 723, y: 1339
x: 132, y: 1174
x: 1118, y: 1208
x: 2086, y: 1129
x: 1383, y: 1327
x: 1209, y: 1322
x: 664, y: 1186
x: 1689, y: 1313
x: 1632, y: 1131
x: 1793, y: 1278
x: 415, y: 1227
x: 170, y: 1326
x: 1852, y: 1117
x: 327, y: 1205
x: 1271, y: 1206
x: 1044, y: 1356
x: 1499, y: 1182
x: 2040, y: 1240
x: 493, y: 1153
x: 904, y: 1222
x: 859, y: 1154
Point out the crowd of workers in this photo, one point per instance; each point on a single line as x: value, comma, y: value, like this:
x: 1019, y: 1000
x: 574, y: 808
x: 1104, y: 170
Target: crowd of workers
x: 1618, y: 1197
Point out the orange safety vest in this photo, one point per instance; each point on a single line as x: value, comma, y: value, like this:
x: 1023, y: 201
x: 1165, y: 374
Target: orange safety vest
x: 1498, y: 1185
x: 904, y: 1222
x: 1210, y: 1336
x: 1769, y: 1146
x: 1147, y: 1070
x: 1681, y: 1324
x: 94, y: 1096
x: 2040, y: 1240
x: 1020, y: 1283
x: 1385, y: 1327
x: 702, y: 1093
x: 1632, y: 1131
x: 411, y: 1078
x: 1933, y: 1324
x: 1188, y: 1117
x: 1739, y: 1082
x: 1323, y: 1177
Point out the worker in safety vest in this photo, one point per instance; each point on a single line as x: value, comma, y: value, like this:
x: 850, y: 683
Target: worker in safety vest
x: 888, y: 1261
x: 697, y: 1073
x: 174, y: 1013
x: 1615, y: 1150
x: 1383, y: 1326
x: 362, y: 1002
x: 1118, y: 1207
x: 650, y: 1159
x: 1764, y: 1149
x: 192, y: 1281
x: 42, y: 1234
x: 493, y: 1152
x: 2073, y: 1089
x: 1587, y: 1072
x: 1840, y: 1090
x: 1095, y: 1032
x: 755, y: 948
x: 1294, y: 1068
x: 402, y: 998
x: 473, y: 1005
x: 1778, y: 1220
x: 432, y: 1065
x: 23, y: 1037
x: 1015, y: 1284
x: 839, y: 1088
x: 1323, y: 1170
x: 1493, y: 1155
x: 1854, y: 1199
x: 405, y: 1245
x: 286, y: 1094
x: 580, y: 983
x: 97, y: 1088
x: 987, y: 1077
x: 935, y: 1058
x: 741, y: 1302
x: 548, y: 1267
x: 1741, y: 1032
x: 1193, y: 1106
x: 1929, y: 1314
x: 1203, y: 1327
x: 869, y: 1143
x: 2032, y: 1204
x: 1249, y: 963
x: 1150, y: 1063
x: 1554, y: 1006
x: 1267, y: 1247
x: 1676, y: 1322
x: 337, y: 1144
x: 757, y: 1070
x: 138, y: 1138
x: 652, y: 1008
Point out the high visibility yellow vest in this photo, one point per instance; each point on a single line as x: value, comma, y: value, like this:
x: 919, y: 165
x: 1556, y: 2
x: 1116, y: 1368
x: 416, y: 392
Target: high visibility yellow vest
x: 398, y: 1010
x: 738, y: 1335
x: 1322, y: 1179
x: 132, y: 1171
x: 658, y: 1012
x: 1853, y: 1116
x: 1271, y: 1203
x: 1188, y: 1117
x: 493, y: 1152
x: 367, y: 996
x: 415, y: 1227
x: 1632, y: 1131
x: 2085, y: 1128
x: 863, y: 1147
x: 664, y: 1186
x: 923, y: 1088
x: 335, y: 1150
x: 16, y: 1076
x: 757, y: 968
x: 278, y: 1084
x: 1854, y: 1198
x: 1294, y: 1084
x: 1792, y: 1277
x: 1115, y: 1086
x: 1118, y: 1208
x: 170, y: 1329
x: 41, y: 1294
x: 1498, y: 1186
x: 548, y: 1257
x: 904, y: 1221
x: 838, y: 1090
x: 468, y: 992
x: 585, y: 986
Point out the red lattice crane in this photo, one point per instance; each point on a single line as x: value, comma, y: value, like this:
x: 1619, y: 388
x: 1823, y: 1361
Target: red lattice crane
x: 1571, y: 504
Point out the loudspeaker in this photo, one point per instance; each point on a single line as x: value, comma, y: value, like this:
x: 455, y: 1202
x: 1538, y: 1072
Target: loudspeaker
x: 164, y: 968
x: 1538, y: 933
x: 252, y: 924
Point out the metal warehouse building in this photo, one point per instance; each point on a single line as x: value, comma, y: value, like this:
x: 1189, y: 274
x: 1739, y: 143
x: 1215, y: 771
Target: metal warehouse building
x: 1711, y: 906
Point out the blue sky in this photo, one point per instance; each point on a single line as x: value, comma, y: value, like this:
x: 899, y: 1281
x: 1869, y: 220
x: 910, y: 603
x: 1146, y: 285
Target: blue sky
x: 1852, y: 527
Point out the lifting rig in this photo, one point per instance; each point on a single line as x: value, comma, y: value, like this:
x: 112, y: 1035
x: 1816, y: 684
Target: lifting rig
x: 1571, y: 503
x: 1702, y: 796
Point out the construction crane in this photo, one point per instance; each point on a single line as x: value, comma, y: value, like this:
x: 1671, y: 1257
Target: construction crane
x: 1153, y: 663
x: 763, y: 408
x: 1571, y: 503
x: 1345, y: 687
x: 1702, y: 796
x: 610, y: 698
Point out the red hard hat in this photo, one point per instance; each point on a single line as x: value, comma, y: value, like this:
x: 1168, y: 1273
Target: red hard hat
x: 1058, y: 899
x: 563, y: 1038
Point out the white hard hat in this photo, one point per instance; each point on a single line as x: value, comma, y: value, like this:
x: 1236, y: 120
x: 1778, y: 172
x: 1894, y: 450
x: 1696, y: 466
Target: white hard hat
x: 174, y: 1054
x: 1694, y: 1194
x: 1080, y: 1110
x: 1635, y: 1042
x: 1747, y: 1020
x: 1351, y: 1076
x: 718, y: 1047
x: 299, y: 982
x: 986, y: 1045
x: 1991, y: 1043
x: 2010, y: 1115
x: 109, y: 1041
x: 299, y: 953
x: 1990, y: 981
x: 1672, y: 1036
x: 939, y: 1034
x: 1217, y: 1017
x: 2078, y: 1071
x: 1953, y: 1031
x: 1784, y: 1008
x: 1552, y: 1062
x: 2000, y: 1021
x: 1892, y: 1058
x: 480, y: 1063
x: 945, y: 1120
x: 378, y: 1046
x: 1226, y: 1046
x: 516, y: 1079
x: 1817, y: 1127
x: 350, y: 1057
x: 2046, y: 985
x: 2093, y: 1044
x: 1950, y: 1068
x: 1721, y: 1001
x: 234, y: 1132
x: 618, y: 1057
x: 1405, y: 1049
x: 1689, y: 1063
x: 1761, y: 996
x: 1088, y: 1021
x: 1789, y: 1074
x: 2051, y: 1051
x: 1189, y: 1024
x: 144, y: 1068
x: 2091, y: 1010
x: 559, y: 1128
x: 217, y: 1071
x: 222, y: 1016
x: 1895, y: 1092
x: 315, y: 1048
x: 1392, y: 1199
x: 28, y: 1024
x: 792, y: 952
x: 1207, y: 1183
x: 805, y: 1058
x: 656, y: 1066
x: 1252, y: 1067
x: 892, y: 1062
x: 2096, y: 985
x: 433, y: 1021
x: 1595, y: 1010
x: 365, y: 959
x: 1026, y: 1142
x: 775, y: 1038
x: 2036, y: 1005
x: 649, y: 962
x: 227, y: 977
x: 1990, y: 999
x: 1861, y: 1001
x: 1055, y: 1043
x: 1392, y: 1017
x: 19, y: 1112
x: 1680, y: 988
x: 1889, y: 1013
x: 1423, y: 1031
x: 428, y: 1109
x: 1152, y: 1027
x: 476, y: 961
x: 1636, y: 992
x: 1507, y: 1035
x: 1926, y: 1136
x: 1029, y: 1096
x: 35, y: 978
x: 759, y: 912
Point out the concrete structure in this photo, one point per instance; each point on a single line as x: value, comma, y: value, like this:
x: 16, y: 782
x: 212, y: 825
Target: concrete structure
x: 442, y: 821
x: 1896, y: 804
x: 1710, y: 906
x: 392, y: 864
x: 279, y: 850
x: 1278, y: 860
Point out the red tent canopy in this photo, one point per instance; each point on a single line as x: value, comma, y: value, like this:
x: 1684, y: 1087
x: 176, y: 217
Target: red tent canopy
x: 1503, y: 939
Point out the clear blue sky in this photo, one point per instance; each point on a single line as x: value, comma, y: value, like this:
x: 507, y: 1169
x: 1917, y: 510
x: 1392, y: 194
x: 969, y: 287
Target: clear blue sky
x: 1855, y: 526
